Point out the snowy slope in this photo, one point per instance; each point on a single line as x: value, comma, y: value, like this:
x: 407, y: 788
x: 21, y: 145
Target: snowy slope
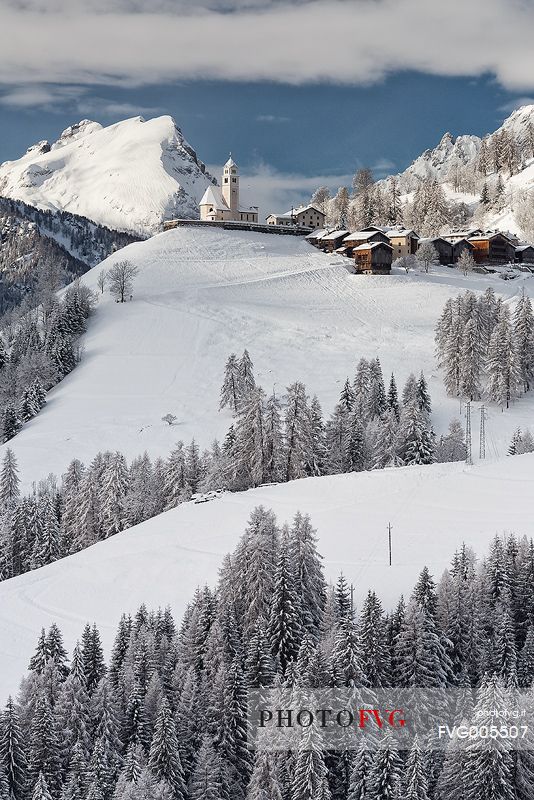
x: 129, y: 176
x: 432, y: 511
x: 202, y: 294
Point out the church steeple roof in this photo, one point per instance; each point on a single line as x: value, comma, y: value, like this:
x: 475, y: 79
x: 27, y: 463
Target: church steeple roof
x: 230, y: 162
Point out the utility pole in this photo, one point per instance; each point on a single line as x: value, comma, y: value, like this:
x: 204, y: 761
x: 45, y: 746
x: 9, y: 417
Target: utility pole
x: 482, y: 451
x: 352, y: 599
x: 468, y: 442
x: 389, y: 542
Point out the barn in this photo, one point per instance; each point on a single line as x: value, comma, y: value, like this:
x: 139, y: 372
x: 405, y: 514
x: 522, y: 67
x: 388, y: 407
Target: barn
x: 373, y: 258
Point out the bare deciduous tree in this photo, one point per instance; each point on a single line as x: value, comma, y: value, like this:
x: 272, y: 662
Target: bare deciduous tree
x: 102, y: 280
x: 121, y: 277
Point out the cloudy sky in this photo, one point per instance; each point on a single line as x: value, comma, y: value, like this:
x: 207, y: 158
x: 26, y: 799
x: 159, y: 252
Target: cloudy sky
x: 302, y: 92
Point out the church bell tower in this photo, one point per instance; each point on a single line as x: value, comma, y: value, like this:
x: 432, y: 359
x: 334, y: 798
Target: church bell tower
x: 230, y: 186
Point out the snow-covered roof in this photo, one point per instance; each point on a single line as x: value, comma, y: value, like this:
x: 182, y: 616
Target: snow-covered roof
x: 318, y: 234
x: 489, y: 235
x: 230, y: 163
x: 334, y: 235
x: 213, y: 197
x: 520, y: 247
x: 372, y: 245
x: 392, y: 233
x: 361, y: 235
x: 434, y: 239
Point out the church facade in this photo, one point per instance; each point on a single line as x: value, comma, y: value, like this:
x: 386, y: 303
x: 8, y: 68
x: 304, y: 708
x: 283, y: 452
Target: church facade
x: 221, y: 203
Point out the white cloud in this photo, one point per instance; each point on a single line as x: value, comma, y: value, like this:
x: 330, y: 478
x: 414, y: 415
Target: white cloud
x: 349, y: 41
x: 72, y: 98
x: 516, y: 103
x: 271, y: 118
x: 271, y: 190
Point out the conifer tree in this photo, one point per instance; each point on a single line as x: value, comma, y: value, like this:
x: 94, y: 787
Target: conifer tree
x: 375, y: 658
x: 164, y: 757
x: 416, y: 445
x: 273, y: 440
x: 13, y: 756
x: 297, y: 433
x: 360, y: 776
x: 386, y: 774
x: 9, y: 480
x: 231, y: 391
x: 207, y: 779
x: 11, y: 423
x: 40, y: 790
x: 415, y: 781
x: 265, y: 779
x: 310, y: 775
x: 309, y: 574
x: 393, y: 397
x: 524, y: 340
x: 503, y: 365
x: 284, y: 624
x: 246, y: 374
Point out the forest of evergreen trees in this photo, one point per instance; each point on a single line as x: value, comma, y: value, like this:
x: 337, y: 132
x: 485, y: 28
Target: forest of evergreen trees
x: 35, y: 242
x: 272, y: 440
x: 165, y: 718
x: 484, y: 350
x: 37, y: 349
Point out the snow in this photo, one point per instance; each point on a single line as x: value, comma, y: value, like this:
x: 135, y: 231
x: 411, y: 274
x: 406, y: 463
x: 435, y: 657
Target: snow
x: 129, y: 176
x: 203, y: 293
x: 432, y: 511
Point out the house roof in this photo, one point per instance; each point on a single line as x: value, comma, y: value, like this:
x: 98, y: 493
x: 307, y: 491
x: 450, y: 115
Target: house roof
x: 489, y: 235
x: 434, y: 239
x: 521, y: 247
x: 362, y: 235
x: 372, y: 245
x: 318, y: 234
x: 334, y: 235
x: 393, y: 233
x: 213, y: 197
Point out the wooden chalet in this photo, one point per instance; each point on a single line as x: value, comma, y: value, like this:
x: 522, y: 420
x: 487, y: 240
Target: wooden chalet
x: 315, y: 237
x: 331, y: 241
x: 357, y: 238
x: 403, y: 241
x: 492, y: 248
x: 524, y: 254
x: 443, y: 247
x: 373, y: 258
x: 459, y: 246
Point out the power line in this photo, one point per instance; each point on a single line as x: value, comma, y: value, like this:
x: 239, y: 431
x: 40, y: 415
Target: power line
x: 468, y: 441
x: 482, y: 446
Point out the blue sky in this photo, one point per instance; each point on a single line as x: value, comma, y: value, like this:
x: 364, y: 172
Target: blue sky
x: 302, y: 92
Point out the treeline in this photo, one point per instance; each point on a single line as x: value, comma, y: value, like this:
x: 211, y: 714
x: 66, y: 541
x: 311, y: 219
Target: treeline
x: 272, y: 440
x: 484, y: 350
x: 283, y: 438
x: 165, y: 718
x: 37, y: 349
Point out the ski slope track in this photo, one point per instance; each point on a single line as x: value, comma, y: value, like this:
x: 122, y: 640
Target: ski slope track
x: 200, y: 295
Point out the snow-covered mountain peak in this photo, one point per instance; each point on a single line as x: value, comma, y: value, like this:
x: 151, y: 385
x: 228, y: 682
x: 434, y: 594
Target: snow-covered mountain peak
x: 131, y: 175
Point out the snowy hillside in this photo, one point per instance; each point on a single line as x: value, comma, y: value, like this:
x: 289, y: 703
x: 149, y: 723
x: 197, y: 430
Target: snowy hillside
x: 504, y: 160
x: 129, y: 176
x: 202, y: 294
x: 432, y: 511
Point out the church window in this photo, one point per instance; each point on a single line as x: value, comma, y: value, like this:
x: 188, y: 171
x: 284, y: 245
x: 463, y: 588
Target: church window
x: 226, y: 180
x: 233, y: 180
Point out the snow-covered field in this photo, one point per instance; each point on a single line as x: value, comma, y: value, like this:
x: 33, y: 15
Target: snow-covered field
x: 432, y: 511
x: 202, y: 294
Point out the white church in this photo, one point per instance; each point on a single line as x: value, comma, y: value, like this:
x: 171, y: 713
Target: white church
x: 222, y: 203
